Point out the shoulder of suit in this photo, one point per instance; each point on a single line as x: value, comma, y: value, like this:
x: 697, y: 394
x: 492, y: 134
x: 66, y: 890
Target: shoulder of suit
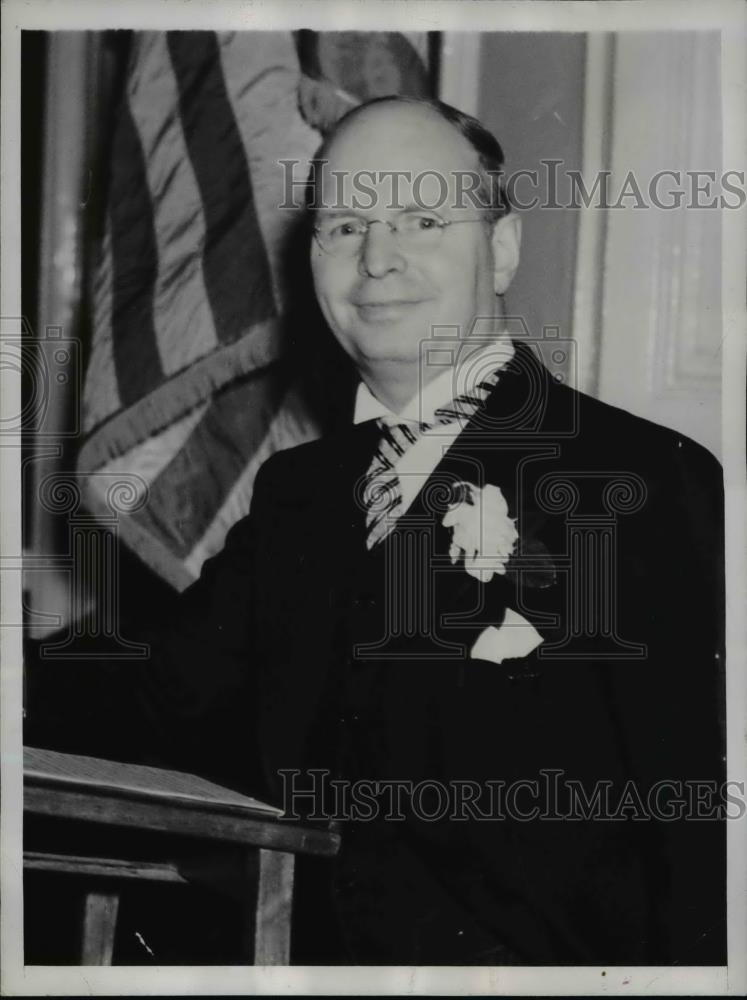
x: 607, y: 430
x: 625, y: 432
x: 297, y: 471
x: 280, y: 475
x: 289, y: 460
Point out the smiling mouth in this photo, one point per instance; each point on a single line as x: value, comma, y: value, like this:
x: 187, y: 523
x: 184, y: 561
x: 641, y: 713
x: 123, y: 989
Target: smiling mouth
x: 385, y: 310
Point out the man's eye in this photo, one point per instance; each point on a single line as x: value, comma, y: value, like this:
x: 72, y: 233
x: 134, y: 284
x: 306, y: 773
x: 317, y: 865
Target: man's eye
x: 343, y: 229
x: 424, y: 222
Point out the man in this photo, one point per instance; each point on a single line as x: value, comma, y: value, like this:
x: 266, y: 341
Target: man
x: 485, y: 585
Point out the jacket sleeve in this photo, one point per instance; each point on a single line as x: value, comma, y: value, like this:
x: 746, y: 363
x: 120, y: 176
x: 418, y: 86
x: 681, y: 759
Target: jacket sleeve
x: 190, y: 703
x: 670, y: 706
x: 197, y: 693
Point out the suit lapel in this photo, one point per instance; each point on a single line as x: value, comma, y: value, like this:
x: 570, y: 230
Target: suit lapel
x: 512, y: 426
x: 513, y: 434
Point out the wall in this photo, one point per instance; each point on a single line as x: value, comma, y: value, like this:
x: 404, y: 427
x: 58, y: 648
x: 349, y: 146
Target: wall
x: 531, y: 96
x: 661, y: 327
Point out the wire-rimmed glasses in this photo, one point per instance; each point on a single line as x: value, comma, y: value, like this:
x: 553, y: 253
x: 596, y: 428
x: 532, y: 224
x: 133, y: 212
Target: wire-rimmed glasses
x: 343, y: 235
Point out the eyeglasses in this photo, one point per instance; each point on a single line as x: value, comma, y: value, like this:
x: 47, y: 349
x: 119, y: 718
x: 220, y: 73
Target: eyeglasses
x: 343, y: 236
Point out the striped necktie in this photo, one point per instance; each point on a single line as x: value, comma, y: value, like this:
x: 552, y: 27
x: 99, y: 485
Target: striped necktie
x: 382, y: 493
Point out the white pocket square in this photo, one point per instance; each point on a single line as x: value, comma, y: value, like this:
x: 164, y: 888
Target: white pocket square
x: 515, y: 638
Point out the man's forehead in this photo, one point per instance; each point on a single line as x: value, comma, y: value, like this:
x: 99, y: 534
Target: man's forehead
x: 406, y: 150
x: 399, y: 136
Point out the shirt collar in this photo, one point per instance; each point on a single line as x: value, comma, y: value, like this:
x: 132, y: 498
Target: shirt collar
x: 441, y: 390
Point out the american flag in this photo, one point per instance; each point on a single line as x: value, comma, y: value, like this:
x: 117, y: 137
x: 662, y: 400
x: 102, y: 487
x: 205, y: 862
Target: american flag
x: 186, y: 391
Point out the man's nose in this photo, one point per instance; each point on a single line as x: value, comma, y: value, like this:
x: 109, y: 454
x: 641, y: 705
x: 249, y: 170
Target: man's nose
x: 380, y: 253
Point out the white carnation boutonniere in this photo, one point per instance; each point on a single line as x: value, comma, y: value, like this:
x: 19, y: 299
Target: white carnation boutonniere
x: 483, y: 534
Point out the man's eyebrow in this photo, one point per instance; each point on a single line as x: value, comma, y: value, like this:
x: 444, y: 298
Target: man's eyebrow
x: 415, y: 206
x: 332, y: 213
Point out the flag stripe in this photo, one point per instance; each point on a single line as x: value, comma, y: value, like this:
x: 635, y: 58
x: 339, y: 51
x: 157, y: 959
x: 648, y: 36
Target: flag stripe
x: 261, y: 72
x: 147, y: 460
x: 134, y: 266
x: 192, y: 487
x: 236, y: 268
x: 100, y: 391
x: 181, y: 314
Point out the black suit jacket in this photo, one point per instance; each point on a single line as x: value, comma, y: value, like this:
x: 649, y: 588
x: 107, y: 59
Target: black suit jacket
x: 294, y: 651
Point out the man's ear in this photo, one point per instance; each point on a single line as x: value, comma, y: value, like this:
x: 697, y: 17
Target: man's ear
x: 506, y: 242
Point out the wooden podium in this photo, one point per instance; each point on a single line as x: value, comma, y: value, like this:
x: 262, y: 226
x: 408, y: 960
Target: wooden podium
x: 75, y: 788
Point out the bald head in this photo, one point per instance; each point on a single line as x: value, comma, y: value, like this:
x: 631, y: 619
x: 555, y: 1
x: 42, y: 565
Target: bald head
x: 397, y: 121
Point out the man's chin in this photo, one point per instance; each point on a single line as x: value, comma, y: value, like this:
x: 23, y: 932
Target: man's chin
x: 387, y: 341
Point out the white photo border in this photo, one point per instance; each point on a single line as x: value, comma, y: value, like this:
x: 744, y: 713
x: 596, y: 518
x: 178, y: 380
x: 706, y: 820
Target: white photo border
x: 730, y: 18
